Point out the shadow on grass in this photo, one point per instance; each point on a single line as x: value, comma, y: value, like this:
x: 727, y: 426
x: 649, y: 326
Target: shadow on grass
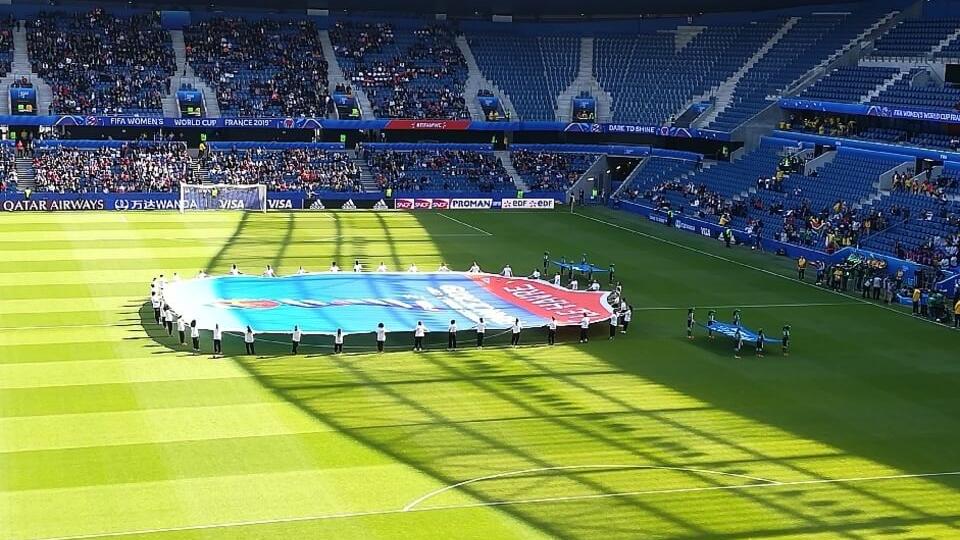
x: 419, y: 411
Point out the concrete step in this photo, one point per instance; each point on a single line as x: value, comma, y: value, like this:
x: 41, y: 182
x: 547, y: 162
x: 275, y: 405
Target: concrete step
x: 335, y: 76
x: 504, y: 156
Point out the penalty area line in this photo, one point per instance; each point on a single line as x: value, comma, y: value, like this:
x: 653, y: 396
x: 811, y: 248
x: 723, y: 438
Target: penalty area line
x: 483, y: 504
x: 455, y: 220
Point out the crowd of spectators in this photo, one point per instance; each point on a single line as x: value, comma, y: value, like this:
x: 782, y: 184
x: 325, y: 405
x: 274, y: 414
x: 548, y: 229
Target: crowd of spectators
x: 302, y: 169
x: 6, y: 44
x: 700, y: 201
x: 550, y: 171
x: 418, y: 75
x: 8, y: 170
x: 261, y: 68
x: 451, y: 170
x: 133, y: 167
x: 925, y: 185
x: 98, y: 63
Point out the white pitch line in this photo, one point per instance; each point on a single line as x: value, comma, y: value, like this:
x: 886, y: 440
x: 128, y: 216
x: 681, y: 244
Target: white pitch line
x: 478, y: 229
x: 745, y: 265
x: 561, y: 499
x: 412, y: 504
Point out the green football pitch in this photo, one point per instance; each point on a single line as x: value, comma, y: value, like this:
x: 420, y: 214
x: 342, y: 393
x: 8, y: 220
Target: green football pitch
x: 108, y: 429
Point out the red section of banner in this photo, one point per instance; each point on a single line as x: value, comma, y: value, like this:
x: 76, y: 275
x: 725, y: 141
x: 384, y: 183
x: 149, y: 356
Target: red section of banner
x: 447, y: 125
x: 547, y: 300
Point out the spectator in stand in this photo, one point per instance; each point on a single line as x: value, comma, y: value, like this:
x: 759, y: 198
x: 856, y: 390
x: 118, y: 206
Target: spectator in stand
x: 261, y: 68
x: 97, y: 63
x: 133, y: 167
x: 544, y: 171
x: 422, y: 77
x: 438, y: 169
x: 301, y: 169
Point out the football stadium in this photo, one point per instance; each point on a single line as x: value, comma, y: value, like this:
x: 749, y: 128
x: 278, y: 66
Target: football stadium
x: 483, y: 270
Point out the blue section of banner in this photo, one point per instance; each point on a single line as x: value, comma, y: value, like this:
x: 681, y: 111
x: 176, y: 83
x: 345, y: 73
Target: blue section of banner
x: 882, y: 111
x: 353, y: 302
x: 730, y: 330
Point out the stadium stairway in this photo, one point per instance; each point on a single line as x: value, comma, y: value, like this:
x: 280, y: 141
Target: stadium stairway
x: 367, y: 179
x: 476, y: 82
x: 504, y: 157
x: 882, y: 87
x: 871, y: 33
x: 585, y: 81
x: 945, y: 42
x: 336, y: 76
x: 26, y: 175
x: 185, y: 75
x: 21, y: 68
x: 724, y: 93
x: 201, y: 173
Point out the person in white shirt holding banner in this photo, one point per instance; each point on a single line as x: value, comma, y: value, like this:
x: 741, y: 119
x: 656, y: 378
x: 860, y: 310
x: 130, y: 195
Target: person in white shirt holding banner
x: 627, y: 314
x: 481, y: 332
x: 515, y: 333
x: 297, y: 336
x: 475, y: 268
x: 268, y: 272
x: 584, y: 328
x: 334, y: 267
x: 357, y: 267
x: 195, y: 336
x: 248, y: 341
x: 412, y: 268
x: 182, y: 329
x: 156, y: 304
x: 418, y: 333
x: 301, y: 271
x: 452, y: 335
x: 381, y: 337
x: 552, y: 331
x: 443, y: 268
x: 217, y: 340
x: 234, y: 271
x: 535, y: 274
x: 338, y: 342
x: 556, y: 279
x: 573, y: 285
x: 507, y: 271
x: 382, y: 268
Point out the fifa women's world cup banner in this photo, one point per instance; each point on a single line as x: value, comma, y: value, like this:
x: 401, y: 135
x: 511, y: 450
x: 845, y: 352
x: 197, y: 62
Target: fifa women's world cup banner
x: 356, y: 302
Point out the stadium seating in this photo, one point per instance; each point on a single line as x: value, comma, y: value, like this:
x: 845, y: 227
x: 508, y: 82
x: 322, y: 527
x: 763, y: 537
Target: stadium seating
x: 914, y: 38
x: 261, y: 67
x: 551, y: 171
x: 111, y: 168
x: 907, y: 92
x: 655, y: 172
x: 812, y: 39
x: 429, y: 169
x: 291, y: 169
x: 848, y: 83
x: 650, y: 80
x: 540, y: 68
x: 408, y: 69
x: 98, y: 63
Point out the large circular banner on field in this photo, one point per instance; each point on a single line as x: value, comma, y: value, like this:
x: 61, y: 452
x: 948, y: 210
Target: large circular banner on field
x: 356, y: 302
